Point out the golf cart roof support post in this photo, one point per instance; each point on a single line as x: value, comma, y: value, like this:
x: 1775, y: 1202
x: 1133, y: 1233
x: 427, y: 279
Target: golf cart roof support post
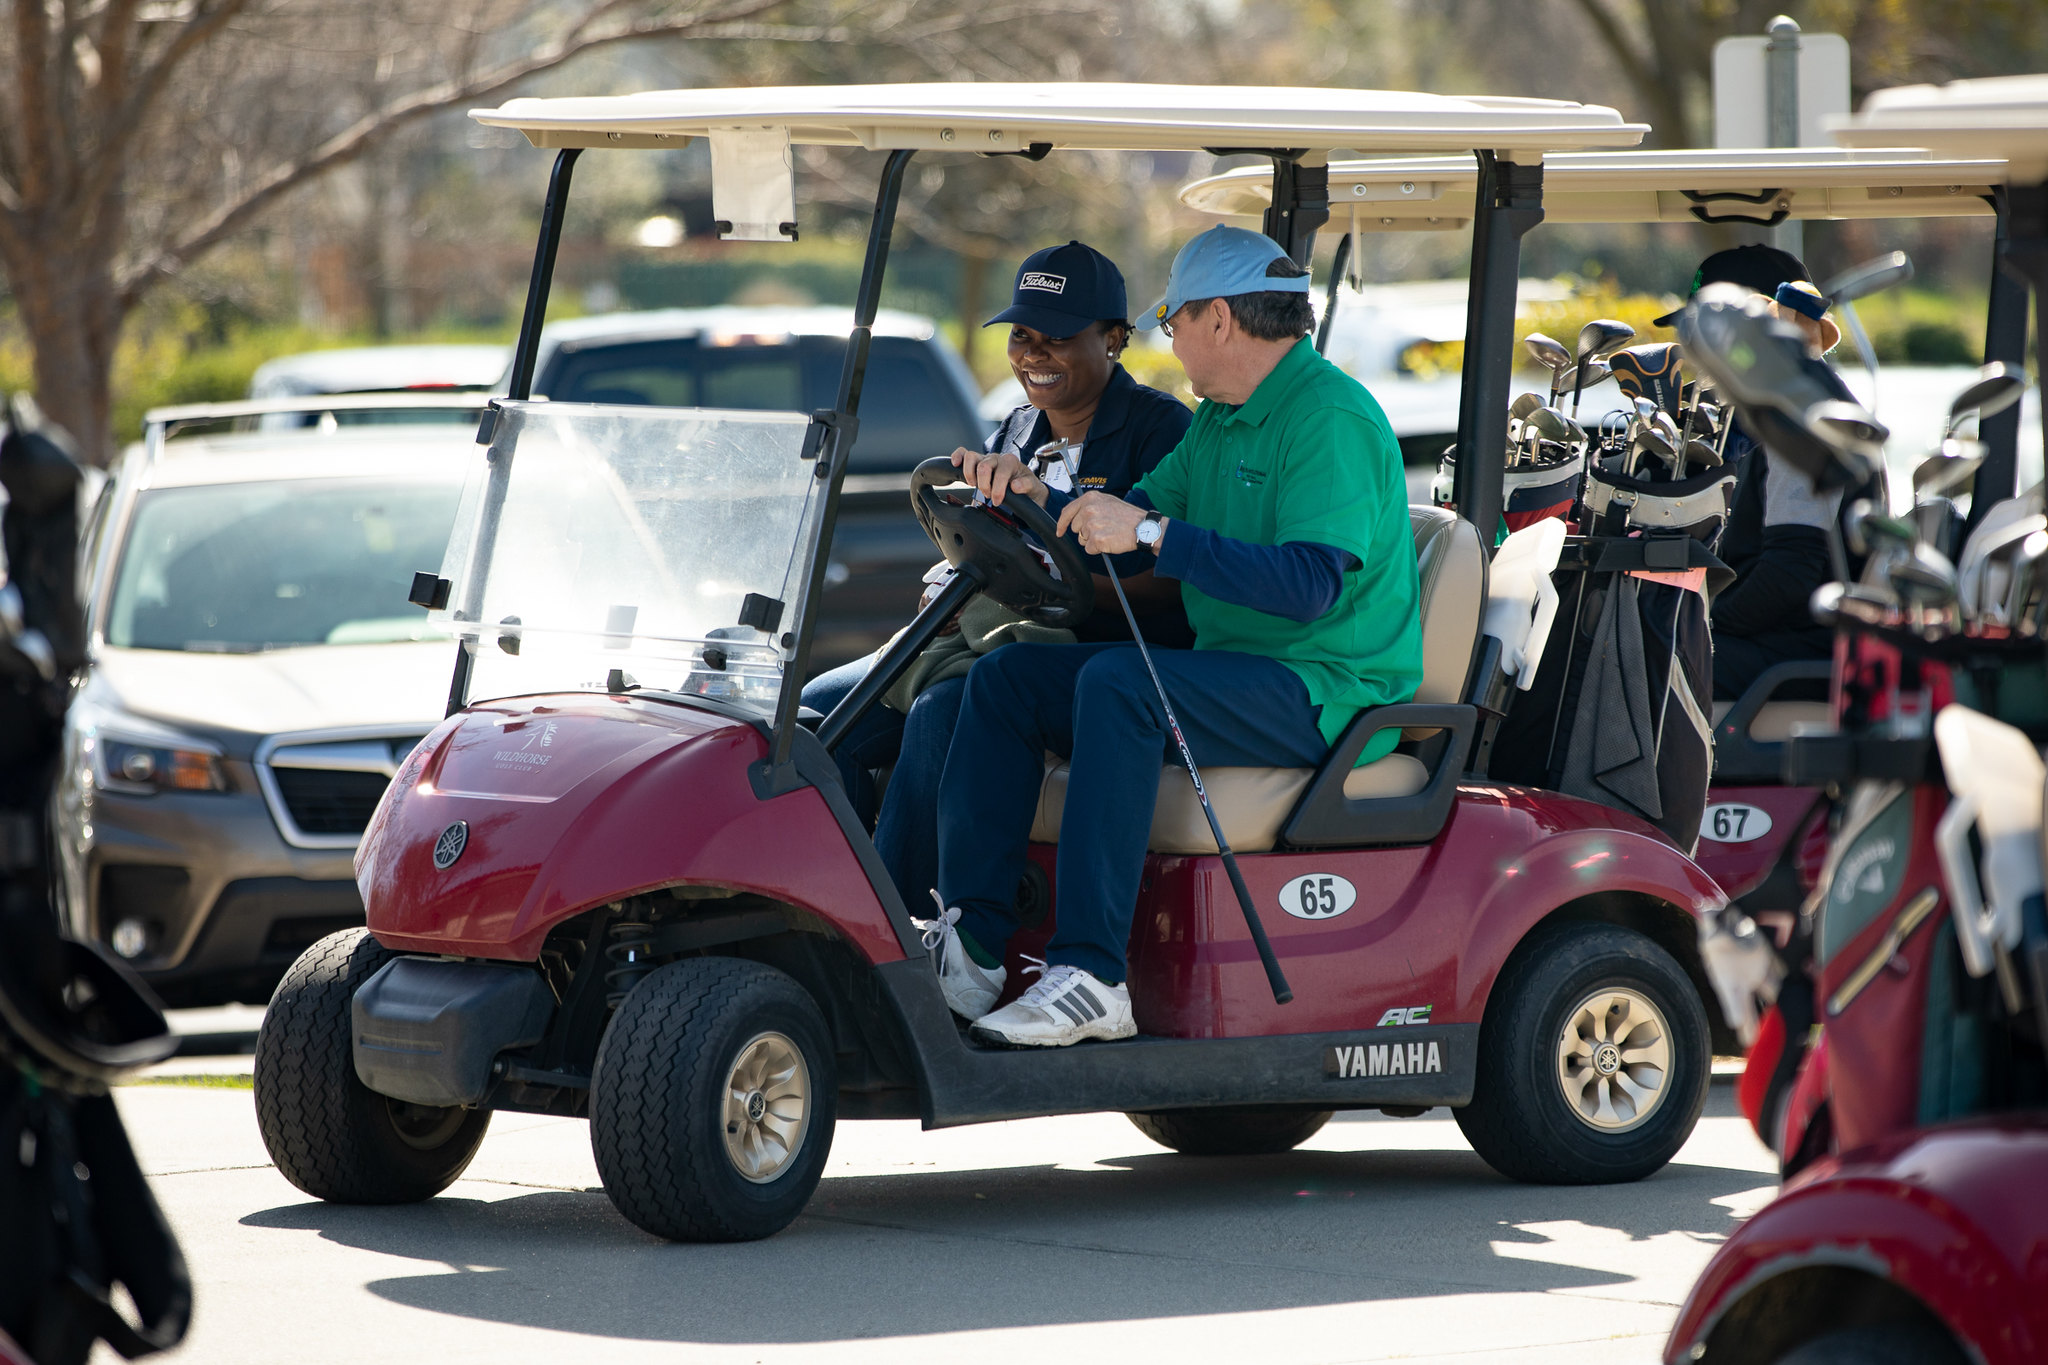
x: 527, y: 351
x: 520, y: 388
x: 2026, y: 253
x: 2005, y: 338
x: 1301, y: 204
x: 1508, y: 204
x: 837, y: 445
x: 1337, y: 265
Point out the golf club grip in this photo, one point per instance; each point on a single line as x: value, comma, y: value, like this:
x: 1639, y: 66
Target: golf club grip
x: 1282, y: 992
x: 1275, y: 978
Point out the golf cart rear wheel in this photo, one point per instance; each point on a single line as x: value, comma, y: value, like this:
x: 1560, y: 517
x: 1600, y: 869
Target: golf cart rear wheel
x: 329, y: 1134
x: 1230, y: 1132
x: 712, y: 1101
x: 1593, y: 1060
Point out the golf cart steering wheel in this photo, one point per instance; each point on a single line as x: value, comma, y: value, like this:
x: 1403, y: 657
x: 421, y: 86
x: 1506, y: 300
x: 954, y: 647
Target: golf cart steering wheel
x: 993, y: 540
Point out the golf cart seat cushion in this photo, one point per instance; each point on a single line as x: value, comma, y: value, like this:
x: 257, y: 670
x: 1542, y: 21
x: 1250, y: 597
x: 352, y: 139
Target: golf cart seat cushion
x: 1450, y: 567
x: 1251, y: 803
x: 1777, y: 720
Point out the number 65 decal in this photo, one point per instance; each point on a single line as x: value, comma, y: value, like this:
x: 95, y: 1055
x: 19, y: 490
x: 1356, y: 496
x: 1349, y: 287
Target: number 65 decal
x: 1731, y: 822
x: 1319, y: 895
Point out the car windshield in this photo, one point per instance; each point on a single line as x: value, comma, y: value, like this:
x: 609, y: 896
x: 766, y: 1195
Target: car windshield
x: 241, y: 567
x: 603, y: 539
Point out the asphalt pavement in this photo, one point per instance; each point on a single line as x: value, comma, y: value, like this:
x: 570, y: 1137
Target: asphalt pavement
x: 1055, y: 1239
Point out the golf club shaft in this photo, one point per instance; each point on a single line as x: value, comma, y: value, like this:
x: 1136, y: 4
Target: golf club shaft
x: 1275, y: 978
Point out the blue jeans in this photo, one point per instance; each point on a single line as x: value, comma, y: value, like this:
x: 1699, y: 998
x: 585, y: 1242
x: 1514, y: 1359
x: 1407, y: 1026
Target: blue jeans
x: 906, y: 824
x: 1094, y: 705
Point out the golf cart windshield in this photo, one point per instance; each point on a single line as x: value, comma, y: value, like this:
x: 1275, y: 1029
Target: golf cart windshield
x: 600, y: 540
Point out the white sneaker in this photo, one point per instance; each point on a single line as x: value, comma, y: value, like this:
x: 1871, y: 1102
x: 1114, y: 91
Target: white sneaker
x: 1065, y: 1005
x: 970, y: 989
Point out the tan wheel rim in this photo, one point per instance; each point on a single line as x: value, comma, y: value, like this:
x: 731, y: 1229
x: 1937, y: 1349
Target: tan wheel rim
x: 767, y: 1107
x: 1614, y: 1059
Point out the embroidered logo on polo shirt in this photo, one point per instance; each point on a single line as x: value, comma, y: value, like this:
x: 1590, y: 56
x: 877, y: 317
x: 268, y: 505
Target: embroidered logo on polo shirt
x: 1038, y: 279
x: 1249, y: 477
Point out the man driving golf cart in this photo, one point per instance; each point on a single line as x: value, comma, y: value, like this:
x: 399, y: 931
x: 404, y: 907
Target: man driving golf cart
x: 1283, y: 515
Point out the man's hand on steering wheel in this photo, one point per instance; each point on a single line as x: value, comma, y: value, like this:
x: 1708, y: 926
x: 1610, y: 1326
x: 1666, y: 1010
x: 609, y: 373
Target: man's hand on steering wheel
x: 998, y: 475
x: 1104, y: 525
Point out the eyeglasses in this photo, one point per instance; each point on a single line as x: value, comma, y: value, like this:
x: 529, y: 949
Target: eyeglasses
x: 1166, y: 324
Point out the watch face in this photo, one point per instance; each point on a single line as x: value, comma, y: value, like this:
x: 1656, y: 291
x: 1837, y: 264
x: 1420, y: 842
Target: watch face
x: 1148, y: 531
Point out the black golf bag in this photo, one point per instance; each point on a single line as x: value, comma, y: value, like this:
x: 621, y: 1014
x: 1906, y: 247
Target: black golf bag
x: 76, y: 1218
x: 1619, y: 711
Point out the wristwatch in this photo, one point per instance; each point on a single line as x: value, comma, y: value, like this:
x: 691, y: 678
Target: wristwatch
x: 1150, y: 530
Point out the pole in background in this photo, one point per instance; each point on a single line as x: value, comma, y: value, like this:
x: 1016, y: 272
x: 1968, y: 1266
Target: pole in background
x: 1781, y: 113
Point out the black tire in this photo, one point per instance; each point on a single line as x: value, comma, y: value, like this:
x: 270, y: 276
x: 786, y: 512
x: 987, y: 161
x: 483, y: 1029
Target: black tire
x: 1891, y: 1343
x: 658, y: 1121
x: 329, y: 1134
x: 1520, y: 1120
x: 1230, y: 1132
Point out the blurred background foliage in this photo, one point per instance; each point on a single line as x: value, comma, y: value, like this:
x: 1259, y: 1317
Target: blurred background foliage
x: 429, y: 237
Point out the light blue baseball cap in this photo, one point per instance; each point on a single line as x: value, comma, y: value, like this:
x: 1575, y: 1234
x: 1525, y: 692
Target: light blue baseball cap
x: 1218, y: 264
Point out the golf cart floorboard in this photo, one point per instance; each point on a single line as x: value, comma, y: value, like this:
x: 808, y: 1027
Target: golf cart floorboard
x: 1363, y: 1068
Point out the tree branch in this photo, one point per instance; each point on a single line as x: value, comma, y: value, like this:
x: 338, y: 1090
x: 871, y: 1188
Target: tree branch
x: 353, y: 141
x: 119, y: 130
x: 1633, y: 65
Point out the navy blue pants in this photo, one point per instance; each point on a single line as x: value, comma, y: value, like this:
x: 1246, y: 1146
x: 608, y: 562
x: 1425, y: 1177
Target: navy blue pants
x: 1094, y: 705
x: 906, y: 818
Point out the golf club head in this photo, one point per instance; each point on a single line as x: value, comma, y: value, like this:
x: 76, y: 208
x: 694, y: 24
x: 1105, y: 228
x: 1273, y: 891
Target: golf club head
x: 1833, y: 602
x: 1524, y: 404
x: 1699, y: 454
x: 1760, y: 364
x: 1645, y: 410
x: 1552, y: 425
x: 1868, y: 527
x: 1861, y: 281
x: 1666, y: 427
x: 1923, y: 579
x: 1849, y: 427
x: 1547, y: 351
x: 1602, y: 335
x: 1997, y: 387
x: 1938, y: 523
x: 1583, y: 375
x: 1941, y: 474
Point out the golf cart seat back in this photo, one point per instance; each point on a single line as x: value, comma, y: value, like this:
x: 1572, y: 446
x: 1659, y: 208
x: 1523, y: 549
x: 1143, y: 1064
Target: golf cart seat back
x: 1386, y: 800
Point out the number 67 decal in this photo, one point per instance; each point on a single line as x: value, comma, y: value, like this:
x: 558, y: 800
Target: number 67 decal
x: 1731, y: 822
x: 1319, y: 895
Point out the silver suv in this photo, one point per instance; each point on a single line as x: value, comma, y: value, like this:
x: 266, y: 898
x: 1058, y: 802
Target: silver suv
x: 255, y: 677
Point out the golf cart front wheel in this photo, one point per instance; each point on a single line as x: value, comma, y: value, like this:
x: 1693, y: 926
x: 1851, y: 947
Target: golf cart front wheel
x: 712, y: 1101
x: 1231, y: 1132
x: 1593, y: 1060
x: 330, y: 1134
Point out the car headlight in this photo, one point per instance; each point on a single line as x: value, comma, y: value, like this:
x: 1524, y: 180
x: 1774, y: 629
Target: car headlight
x: 139, y: 757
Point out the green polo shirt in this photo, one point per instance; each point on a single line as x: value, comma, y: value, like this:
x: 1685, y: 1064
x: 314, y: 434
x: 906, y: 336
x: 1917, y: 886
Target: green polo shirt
x: 1309, y: 457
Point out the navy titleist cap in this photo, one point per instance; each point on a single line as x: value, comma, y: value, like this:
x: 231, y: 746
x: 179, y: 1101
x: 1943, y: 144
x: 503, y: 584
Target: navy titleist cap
x: 1062, y: 289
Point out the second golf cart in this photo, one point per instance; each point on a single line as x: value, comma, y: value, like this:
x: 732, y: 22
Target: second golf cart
x: 621, y: 880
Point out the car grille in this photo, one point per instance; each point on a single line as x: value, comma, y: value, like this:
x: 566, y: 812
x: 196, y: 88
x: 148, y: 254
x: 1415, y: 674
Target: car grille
x: 325, y: 802
x: 323, y: 788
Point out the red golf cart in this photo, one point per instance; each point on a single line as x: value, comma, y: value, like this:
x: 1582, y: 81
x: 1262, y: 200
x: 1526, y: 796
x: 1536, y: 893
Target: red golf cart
x: 1911, y: 1229
x: 621, y: 879
x: 1760, y: 837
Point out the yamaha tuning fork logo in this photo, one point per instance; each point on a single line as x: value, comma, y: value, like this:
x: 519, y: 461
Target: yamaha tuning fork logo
x: 449, y: 846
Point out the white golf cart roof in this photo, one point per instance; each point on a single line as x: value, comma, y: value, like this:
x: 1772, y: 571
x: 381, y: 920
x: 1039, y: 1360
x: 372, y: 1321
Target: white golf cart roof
x: 1409, y: 194
x: 1014, y: 115
x: 2003, y: 116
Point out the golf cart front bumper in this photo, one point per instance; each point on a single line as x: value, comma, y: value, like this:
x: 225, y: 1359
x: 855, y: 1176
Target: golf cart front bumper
x: 431, y: 1032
